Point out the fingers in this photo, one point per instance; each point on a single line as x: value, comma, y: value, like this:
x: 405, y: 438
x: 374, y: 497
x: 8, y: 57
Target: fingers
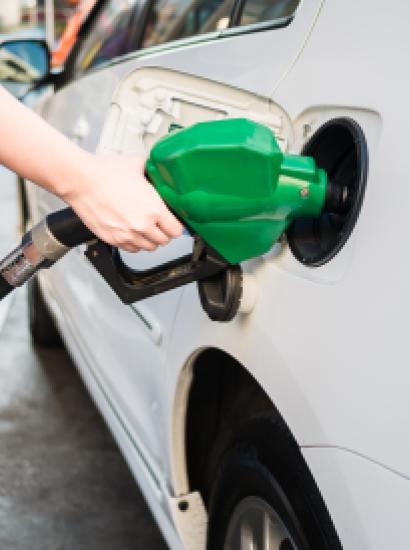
x: 156, y: 236
x: 129, y: 248
x: 140, y: 242
x: 134, y: 240
x: 148, y: 241
x: 131, y: 216
x: 170, y: 225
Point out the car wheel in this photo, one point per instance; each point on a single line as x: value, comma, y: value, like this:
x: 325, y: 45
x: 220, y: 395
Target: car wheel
x: 264, y: 496
x: 43, y: 330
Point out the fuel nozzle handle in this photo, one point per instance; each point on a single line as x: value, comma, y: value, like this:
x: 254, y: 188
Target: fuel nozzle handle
x: 41, y: 247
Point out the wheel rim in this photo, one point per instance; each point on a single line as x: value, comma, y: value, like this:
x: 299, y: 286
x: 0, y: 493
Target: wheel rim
x: 254, y: 525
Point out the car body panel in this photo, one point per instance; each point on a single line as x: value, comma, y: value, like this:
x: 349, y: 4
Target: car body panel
x: 365, y: 498
x: 370, y: 367
x: 150, y: 481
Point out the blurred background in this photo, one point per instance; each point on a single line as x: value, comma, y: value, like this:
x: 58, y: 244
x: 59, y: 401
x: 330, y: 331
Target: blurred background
x: 36, y: 17
x: 58, y: 21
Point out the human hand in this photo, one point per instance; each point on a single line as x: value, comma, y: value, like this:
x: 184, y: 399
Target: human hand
x: 117, y: 203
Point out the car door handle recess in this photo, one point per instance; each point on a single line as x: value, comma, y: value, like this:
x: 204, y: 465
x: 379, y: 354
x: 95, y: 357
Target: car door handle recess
x: 232, y: 187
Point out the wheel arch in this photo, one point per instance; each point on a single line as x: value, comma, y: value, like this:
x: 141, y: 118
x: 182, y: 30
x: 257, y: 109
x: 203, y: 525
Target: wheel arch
x: 214, y: 385
x: 209, y: 379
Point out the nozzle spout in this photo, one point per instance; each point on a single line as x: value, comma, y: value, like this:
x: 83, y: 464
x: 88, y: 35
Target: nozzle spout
x: 337, y: 198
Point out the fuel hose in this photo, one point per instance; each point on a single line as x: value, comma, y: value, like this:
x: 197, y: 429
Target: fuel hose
x: 41, y: 247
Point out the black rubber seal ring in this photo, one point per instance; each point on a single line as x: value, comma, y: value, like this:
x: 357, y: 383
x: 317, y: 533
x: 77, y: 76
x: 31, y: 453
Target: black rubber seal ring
x: 350, y: 220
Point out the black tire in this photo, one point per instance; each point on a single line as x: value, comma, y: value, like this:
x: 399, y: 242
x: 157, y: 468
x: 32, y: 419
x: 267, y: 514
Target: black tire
x: 265, y: 462
x: 43, y: 329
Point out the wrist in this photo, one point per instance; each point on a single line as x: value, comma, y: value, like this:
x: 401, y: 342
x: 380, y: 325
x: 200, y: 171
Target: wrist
x: 73, y: 179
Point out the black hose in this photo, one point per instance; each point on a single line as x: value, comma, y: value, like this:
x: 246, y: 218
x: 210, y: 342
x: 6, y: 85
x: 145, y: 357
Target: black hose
x: 68, y: 229
x: 5, y: 288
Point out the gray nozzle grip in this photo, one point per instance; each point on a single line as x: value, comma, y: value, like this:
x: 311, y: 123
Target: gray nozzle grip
x: 46, y: 243
x: 21, y: 264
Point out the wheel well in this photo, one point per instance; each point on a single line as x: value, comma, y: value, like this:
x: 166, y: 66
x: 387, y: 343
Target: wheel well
x: 223, y: 399
x: 223, y: 394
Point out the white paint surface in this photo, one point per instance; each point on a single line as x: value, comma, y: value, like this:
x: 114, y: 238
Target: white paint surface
x: 8, y: 227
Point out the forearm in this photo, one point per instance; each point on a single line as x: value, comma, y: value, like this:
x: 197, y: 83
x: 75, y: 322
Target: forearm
x: 110, y: 194
x: 34, y: 150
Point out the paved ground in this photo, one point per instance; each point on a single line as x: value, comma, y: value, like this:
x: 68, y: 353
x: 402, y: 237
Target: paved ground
x: 63, y: 483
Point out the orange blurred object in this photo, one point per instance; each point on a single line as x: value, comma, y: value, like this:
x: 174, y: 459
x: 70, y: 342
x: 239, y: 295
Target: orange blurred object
x: 69, y: 36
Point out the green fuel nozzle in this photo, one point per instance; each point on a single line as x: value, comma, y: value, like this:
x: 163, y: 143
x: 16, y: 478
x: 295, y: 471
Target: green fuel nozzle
x: 229, y: 181
x: 230, y: 184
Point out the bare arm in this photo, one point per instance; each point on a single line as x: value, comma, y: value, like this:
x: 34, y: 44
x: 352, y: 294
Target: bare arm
x: 110, y: 194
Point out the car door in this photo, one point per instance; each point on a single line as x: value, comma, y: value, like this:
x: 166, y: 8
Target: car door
x: 126, y: 347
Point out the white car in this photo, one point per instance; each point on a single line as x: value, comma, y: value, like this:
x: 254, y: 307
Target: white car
x: 286, y: 427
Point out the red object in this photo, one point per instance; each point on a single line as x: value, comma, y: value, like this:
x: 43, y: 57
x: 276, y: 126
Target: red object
x: 70, y: 33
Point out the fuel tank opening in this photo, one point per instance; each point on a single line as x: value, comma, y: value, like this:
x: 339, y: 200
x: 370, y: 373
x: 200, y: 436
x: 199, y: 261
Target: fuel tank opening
x: 339, y: 147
